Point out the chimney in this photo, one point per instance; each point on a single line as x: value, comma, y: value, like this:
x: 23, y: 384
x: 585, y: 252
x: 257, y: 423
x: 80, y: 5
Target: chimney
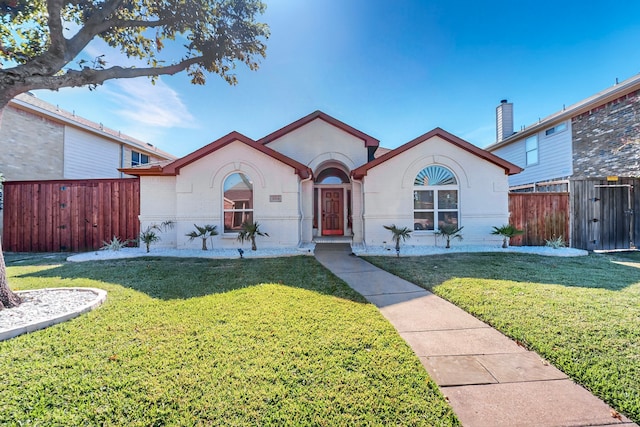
x: 504, y: 120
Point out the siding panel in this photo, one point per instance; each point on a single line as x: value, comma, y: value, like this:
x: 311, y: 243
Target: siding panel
x: 89, y: 156
x: 554, y: 159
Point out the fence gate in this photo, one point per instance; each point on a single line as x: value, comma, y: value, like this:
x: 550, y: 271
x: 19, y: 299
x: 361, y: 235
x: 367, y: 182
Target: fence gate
x: 604, y: 214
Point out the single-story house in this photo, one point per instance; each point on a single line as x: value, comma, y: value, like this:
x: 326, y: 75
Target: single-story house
x: 319, y: 178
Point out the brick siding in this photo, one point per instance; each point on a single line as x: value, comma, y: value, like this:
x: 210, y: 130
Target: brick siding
x: 31, y: 146
x: 606, y: 140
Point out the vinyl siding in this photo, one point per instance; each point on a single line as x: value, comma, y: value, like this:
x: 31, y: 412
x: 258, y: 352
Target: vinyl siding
x: 89, y: 156
x: 554, y: 158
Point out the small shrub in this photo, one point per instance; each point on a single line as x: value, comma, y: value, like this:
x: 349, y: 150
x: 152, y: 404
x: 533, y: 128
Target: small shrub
x: 448, y: 232
x: 150, y: 234
x: 249, y: 232
x: 115, y: 244
x: 507, y: 231
x: 556, y: 242
x: 398, y: 233
x: 203, y: 232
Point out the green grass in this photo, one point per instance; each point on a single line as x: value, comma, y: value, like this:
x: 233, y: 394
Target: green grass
x: 212, y: 342
x: 582, y: 314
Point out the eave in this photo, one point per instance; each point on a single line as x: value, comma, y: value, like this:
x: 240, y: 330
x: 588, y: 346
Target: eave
x: 509, y: 168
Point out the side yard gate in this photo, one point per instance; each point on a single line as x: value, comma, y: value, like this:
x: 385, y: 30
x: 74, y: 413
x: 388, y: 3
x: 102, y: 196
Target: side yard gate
x: 542, y: 216
x: 69, y: 215
x: 604, y: 213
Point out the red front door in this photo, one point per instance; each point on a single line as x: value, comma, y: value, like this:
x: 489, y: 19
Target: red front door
x: 332, y: 212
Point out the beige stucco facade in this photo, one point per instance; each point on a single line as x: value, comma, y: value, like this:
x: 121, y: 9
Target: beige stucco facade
x: 389, y: 194
x: 320, y: 178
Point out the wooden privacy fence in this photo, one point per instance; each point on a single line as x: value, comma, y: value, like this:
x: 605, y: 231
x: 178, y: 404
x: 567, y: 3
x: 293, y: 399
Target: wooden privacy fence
x: 605, y: 213
x: 542, y: 216
x: 69, y: 215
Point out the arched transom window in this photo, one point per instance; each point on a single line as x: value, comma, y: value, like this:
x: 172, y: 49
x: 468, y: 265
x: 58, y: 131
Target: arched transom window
x: 238, y: 201
x: 332, y: 176
x: 435, y: 198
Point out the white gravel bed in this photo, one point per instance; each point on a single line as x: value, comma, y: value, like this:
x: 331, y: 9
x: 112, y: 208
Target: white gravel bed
x: 192, y: 253
x: 408, y: 250
x: 405, y: 250
x: 43, y: 307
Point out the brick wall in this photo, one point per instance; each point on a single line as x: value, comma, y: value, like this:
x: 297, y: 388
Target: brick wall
x: 606, y: 140
x: 31, y: 146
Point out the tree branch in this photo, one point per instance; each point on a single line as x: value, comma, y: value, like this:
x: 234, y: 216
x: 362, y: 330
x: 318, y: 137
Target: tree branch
x: 89, y: 76
x: 55, y: 26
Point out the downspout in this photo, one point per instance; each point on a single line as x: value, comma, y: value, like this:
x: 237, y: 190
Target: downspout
x: 122, y: 159
x: 362, y: 228
x: 301, y: 212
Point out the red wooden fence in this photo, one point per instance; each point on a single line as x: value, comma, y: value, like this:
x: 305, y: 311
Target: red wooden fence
x: 542, y: 216
x: 69, y: 215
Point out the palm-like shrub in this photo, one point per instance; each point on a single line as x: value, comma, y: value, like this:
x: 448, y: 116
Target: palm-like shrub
x: 449, y: 232
x: 398, y: 234
x: 507, y: 232
x: 249, y: 231
x: 203, y: 232
x: 150, y: 234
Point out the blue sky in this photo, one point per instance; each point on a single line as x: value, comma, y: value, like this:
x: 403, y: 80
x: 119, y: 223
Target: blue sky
x: 393, y: 70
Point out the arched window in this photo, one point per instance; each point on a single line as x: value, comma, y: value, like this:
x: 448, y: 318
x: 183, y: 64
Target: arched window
x: 332, y: 176
x: 435, y: 198
x: 238, y: 201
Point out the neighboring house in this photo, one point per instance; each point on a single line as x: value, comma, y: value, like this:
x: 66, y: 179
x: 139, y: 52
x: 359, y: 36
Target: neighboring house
x: 319, y: 178
x: 590, y: 149
x: 38, y: 141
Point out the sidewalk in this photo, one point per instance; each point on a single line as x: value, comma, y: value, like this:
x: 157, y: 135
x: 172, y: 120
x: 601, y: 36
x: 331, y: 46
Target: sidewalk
x: 488, y: 379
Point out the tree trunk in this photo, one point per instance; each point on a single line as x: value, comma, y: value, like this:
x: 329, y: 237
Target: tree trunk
x: 204, y: 244
x: 253, y: 244
x: 7, y: 298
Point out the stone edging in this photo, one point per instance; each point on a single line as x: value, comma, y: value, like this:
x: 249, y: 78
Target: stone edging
x: 101, y: 296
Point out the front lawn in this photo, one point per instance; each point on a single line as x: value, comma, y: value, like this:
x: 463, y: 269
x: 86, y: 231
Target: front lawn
x: 212, y: 342
x: 582, y: 314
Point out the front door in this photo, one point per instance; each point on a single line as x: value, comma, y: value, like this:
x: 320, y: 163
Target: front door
x: 332, y: 212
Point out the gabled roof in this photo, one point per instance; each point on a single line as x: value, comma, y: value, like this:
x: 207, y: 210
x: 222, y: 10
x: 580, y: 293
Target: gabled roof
x: 601, y: 98
x: 174, y: 167
x: 509, y: 168
x: 369, y: 141
x: 34, y: 105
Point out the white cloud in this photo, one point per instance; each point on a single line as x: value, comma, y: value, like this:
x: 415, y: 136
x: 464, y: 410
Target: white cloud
x: 145, y: 104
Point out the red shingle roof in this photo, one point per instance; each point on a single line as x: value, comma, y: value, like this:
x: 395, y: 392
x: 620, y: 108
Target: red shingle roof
x: 509, y: 168
x: 174, y: 167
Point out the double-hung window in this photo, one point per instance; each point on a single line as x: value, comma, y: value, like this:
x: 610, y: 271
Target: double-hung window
x: 435, y: 198
x: 531, y: 149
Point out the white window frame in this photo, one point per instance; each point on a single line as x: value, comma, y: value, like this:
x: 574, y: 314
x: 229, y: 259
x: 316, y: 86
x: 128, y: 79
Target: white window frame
x: 141, y: 158
x: 560, y: 127
x: 436, y: 210
x: 245, y: 212
x: 531, y: 148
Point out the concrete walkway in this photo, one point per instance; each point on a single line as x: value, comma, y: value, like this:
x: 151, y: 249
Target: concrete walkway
x: 488, y: 379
